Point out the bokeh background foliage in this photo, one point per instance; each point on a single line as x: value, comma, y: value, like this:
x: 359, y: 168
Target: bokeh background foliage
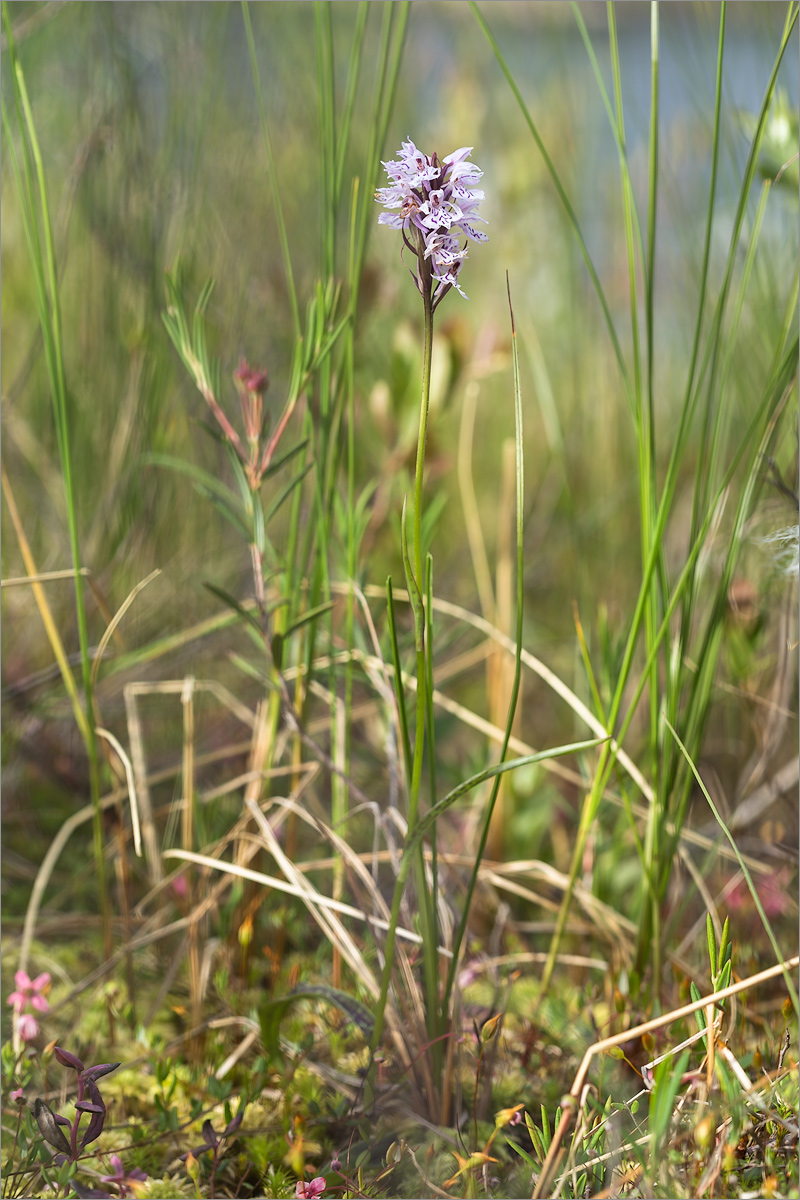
x: 149, y: 130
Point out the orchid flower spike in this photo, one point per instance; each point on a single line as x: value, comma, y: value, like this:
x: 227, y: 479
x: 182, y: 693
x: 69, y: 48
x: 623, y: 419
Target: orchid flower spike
x: 438, y: 203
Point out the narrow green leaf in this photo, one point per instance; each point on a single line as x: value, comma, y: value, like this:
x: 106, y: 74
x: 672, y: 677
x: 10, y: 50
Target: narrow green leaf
x: 398, y: 680
x: 307, y: 617
x: 248, y: 617
x: 286, y: 492
x: 412, y: 587
x: 277, y: 463
x: 526, y: 1158
x: 712, y: 945
x: 724, y: 944
x: 546, y: 1136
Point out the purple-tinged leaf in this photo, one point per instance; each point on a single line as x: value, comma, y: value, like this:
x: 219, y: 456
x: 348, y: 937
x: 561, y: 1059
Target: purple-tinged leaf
x: 85, y: 1106
x: 197, y: 1151
x: 68, y: 1060
x: 49, y: 1128
x: 95, y: 1126
x: 210, y: 1133
x: 99, y: 1071
x: 87, y: 1192
x: 233, y: 1125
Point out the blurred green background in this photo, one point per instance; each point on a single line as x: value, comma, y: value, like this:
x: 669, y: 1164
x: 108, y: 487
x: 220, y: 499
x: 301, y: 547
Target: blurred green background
x: 150, y: 135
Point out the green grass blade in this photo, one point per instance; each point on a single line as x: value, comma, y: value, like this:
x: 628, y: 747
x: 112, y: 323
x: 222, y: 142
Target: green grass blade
x: 743, y: 868
x: 35, y: 206
x: 562, y: 195
x: 398, y: 682
x: 273, y: 175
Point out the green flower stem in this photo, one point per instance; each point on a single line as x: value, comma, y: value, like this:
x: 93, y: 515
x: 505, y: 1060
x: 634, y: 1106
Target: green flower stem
x: 418, y: 581
x: 415, y: 860
x: 424, y: 898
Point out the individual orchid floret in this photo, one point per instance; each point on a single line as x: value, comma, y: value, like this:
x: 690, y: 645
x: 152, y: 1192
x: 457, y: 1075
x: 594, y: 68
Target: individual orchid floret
x: 438, y: 203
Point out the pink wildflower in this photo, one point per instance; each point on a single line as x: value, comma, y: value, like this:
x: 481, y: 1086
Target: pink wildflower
x: 28, y: 1027
x: 308, y: 1191
x: 30, y: 991
x: 773, y: 892
x: 17, y: 1095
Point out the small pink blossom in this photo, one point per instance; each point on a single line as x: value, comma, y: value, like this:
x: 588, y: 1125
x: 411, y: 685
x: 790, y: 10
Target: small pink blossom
x: 28, y: 1027
x: 308, y: 1191
x: 773, y: 892
x: 17, y: 1095
x: 30, y: 992
x: 180, y: 887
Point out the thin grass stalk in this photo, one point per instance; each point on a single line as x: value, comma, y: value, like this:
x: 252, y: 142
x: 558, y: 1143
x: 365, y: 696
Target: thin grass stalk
x: 700, y: 683
x: 647, y: 466
x: 35, y: 209
x: 395, y: 21
x: 273, y: 175
x: 743, y: 867
x: 349, y: 381
x: 714, y: 341
x: 353, y: 74
x: 592, y: 801
x: 703, y: 679
x: 325, y: 90
x: 643, y: 411
x: 512, y: 704
x: 674, y: 692
x: 562, y: 195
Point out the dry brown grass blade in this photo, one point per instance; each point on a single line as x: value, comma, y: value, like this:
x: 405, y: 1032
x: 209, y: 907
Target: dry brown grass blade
x: 43, y: 577
x: 329, y: 922
x: 545, y: 674
x: 555, y: 1153
x: 410, y: 998
x: 45, y: 610
x: 115, y: 620
x: 131, y: 694
x: 126, y: 762
x: 481, y: 725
